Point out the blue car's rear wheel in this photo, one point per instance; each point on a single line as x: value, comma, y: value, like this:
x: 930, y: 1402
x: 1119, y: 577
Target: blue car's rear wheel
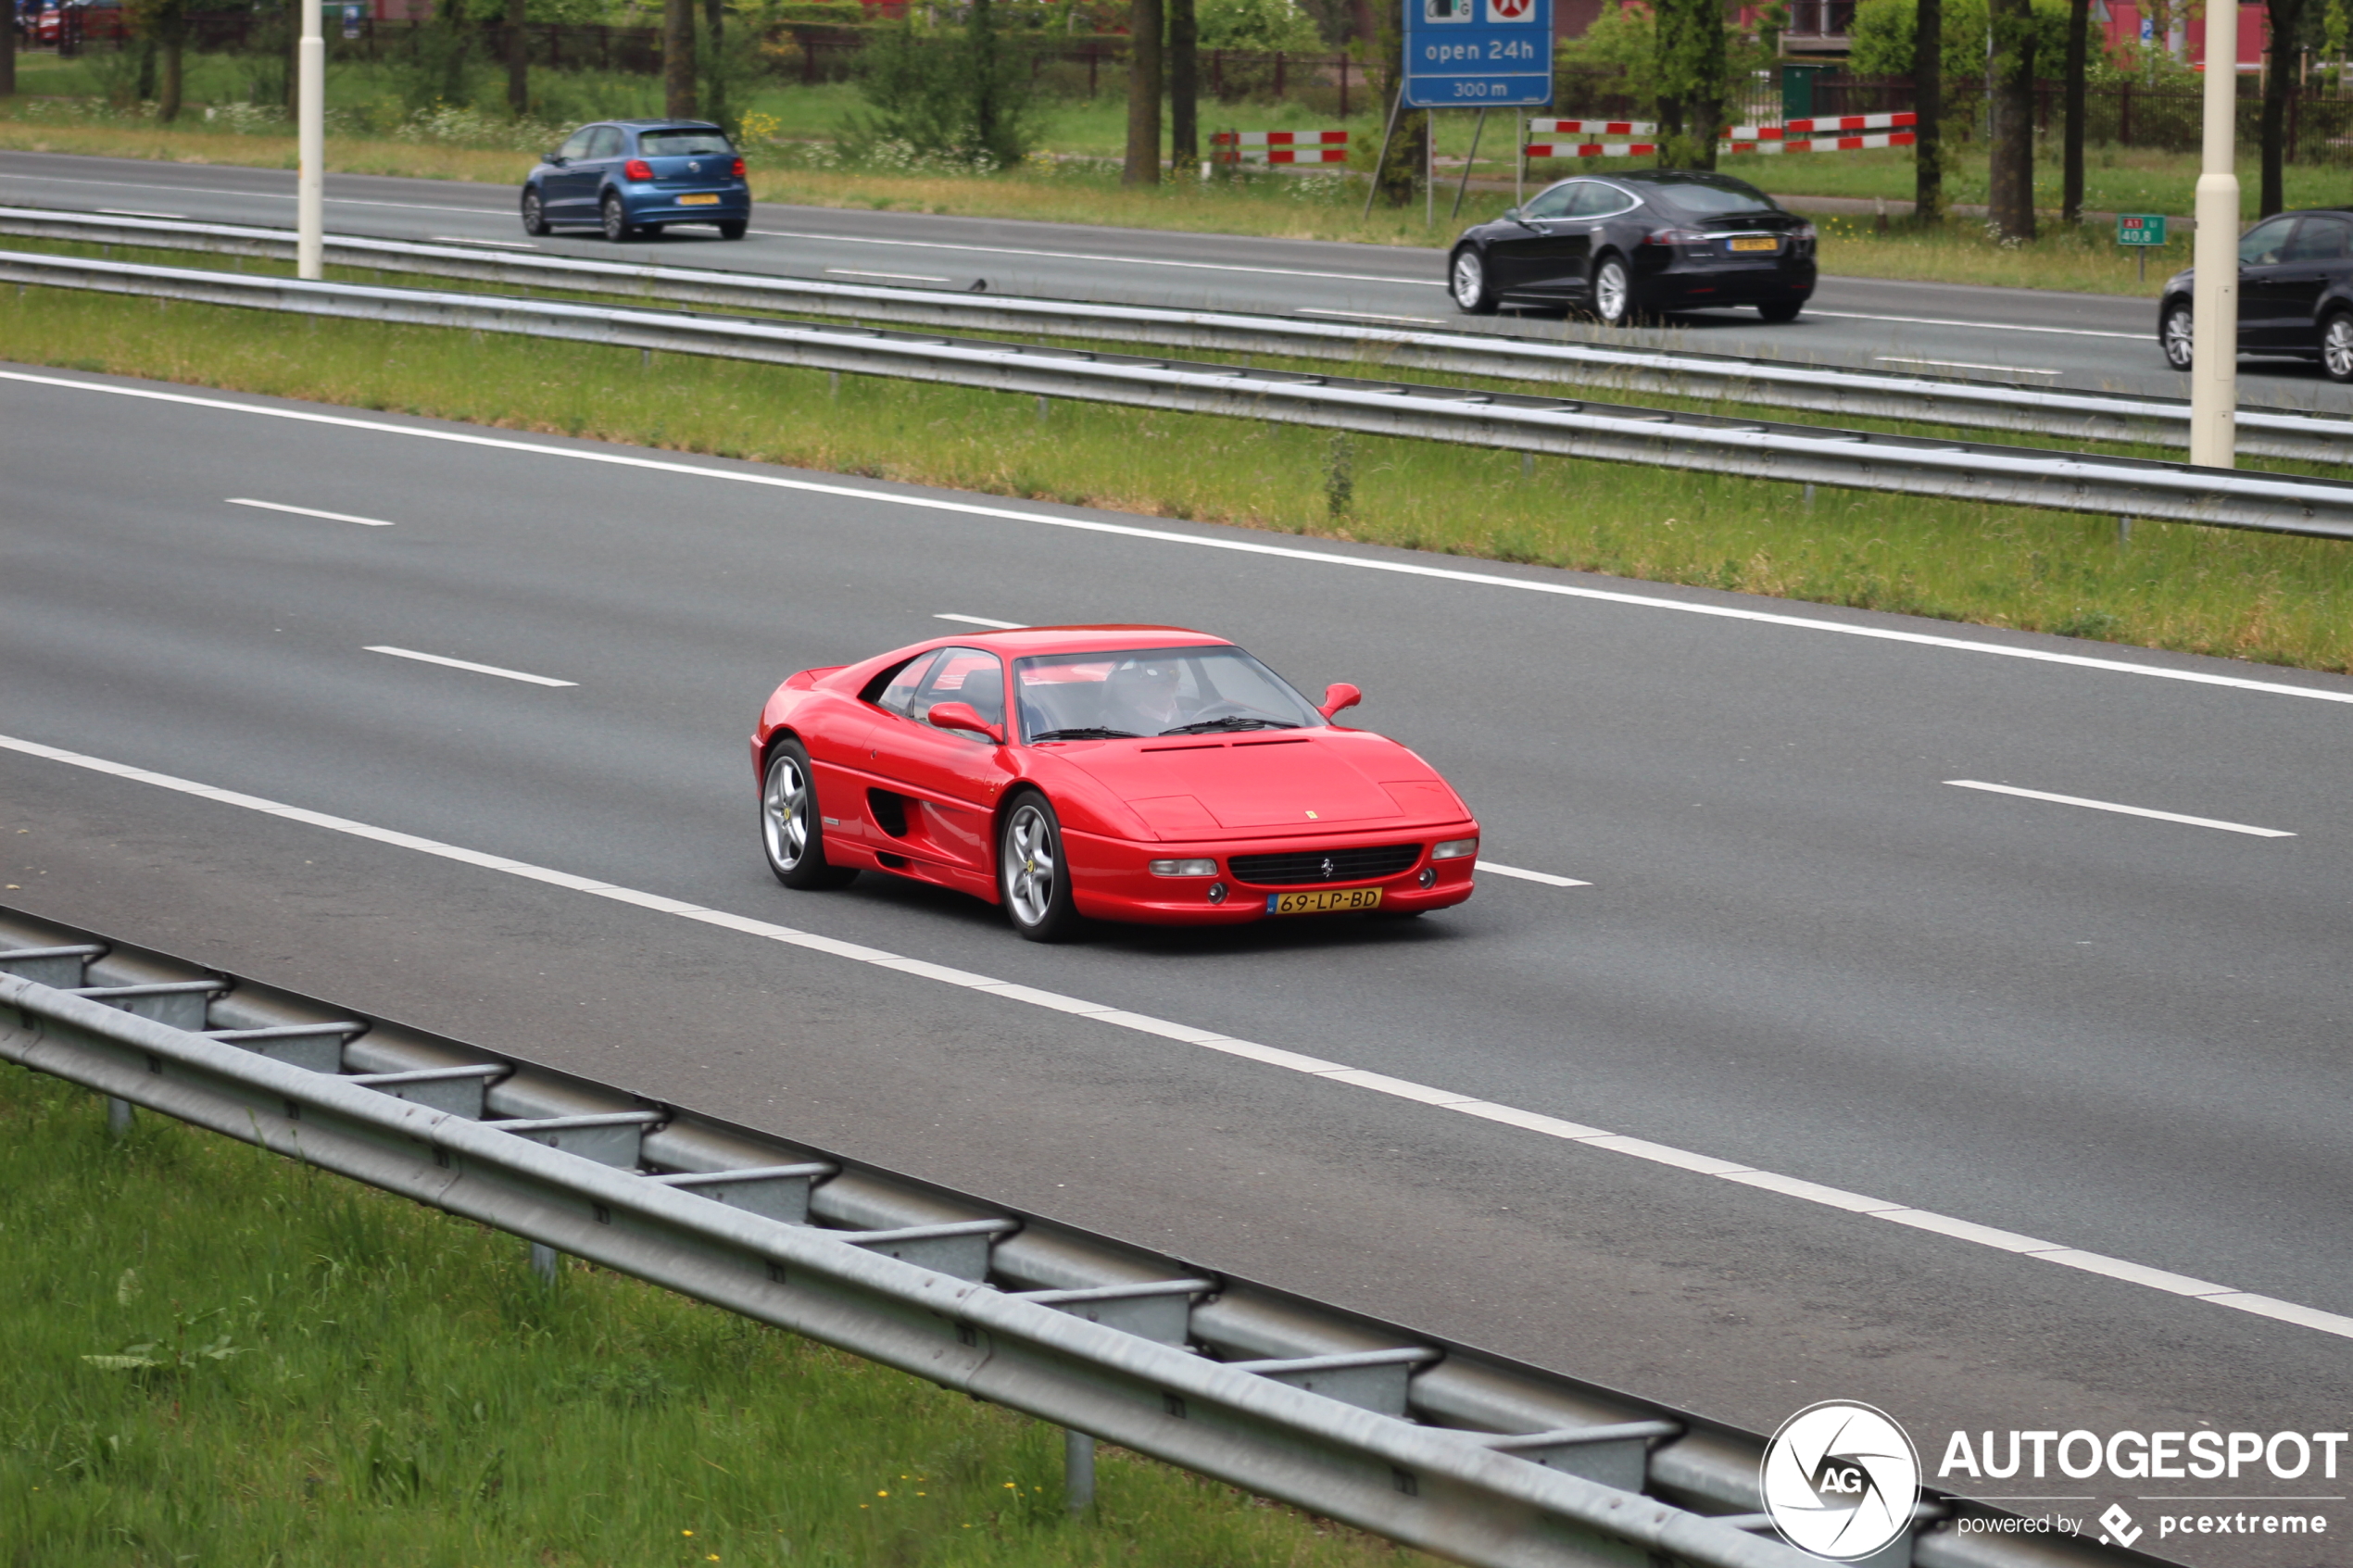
x: 617, y: 225
x: 733, y: 229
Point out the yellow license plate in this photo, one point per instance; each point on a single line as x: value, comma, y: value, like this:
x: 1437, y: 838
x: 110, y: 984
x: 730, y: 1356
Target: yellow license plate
x: 1337, y: 901
x: 714, y: 201
x: 1762, y: 241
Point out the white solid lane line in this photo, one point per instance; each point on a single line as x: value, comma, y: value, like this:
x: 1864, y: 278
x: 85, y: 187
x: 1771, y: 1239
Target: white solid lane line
x: 1855, y: 1203
x: 1547, y: 878
x: 619, y: 459
x: 259, y: 196
x: 140, y: 212
x: 469, y: 664
x: 2122, y: 810
x: 307, y: 511
x: 894, y: 277
x: 1990, y: 326
x: 1083, y: 255
x: 984, y: 621
x: 470, y: 240
x: 1369, y: 316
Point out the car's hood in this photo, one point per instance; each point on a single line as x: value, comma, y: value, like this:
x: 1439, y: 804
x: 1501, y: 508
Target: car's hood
x: 1187, y: 785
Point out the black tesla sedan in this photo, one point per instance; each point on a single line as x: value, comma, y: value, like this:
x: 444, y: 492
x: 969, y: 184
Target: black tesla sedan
x: 2295, y: 294
x: 1628, y: 246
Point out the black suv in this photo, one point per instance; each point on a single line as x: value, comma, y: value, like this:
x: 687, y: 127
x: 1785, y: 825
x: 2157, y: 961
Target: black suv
x: 2295, y: 294
x: 1626, y: 246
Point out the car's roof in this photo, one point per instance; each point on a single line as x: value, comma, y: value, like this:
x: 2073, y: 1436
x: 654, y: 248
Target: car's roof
x: 661, y: 124
x: 1022, y: 641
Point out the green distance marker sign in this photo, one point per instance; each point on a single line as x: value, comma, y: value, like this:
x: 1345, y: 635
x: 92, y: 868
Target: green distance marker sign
x: 2140, y: 228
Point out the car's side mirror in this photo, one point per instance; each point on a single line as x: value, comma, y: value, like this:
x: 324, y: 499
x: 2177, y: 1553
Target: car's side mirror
x: 1338, y: 696
x: 1512, y: 213
x: 964, y: 716
x: 557, y: 160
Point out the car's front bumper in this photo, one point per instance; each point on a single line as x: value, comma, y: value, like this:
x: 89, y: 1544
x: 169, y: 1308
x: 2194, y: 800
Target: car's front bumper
x: 1111, y: 878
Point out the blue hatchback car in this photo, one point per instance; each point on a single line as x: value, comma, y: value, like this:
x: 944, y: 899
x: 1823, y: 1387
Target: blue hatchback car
x: 634, y: 177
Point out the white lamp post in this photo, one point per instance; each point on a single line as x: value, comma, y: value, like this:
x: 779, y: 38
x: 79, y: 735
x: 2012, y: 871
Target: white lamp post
x: 2214, y: 388
x: 310, y: 116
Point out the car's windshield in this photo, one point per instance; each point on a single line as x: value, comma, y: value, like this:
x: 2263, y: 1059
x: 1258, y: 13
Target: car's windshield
x: 1716, y: 197
x: 1134, y: 692
x: 682, y: 143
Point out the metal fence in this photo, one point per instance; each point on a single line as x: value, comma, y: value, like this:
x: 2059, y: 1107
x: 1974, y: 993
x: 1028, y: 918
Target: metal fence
x: 1408, y: 1436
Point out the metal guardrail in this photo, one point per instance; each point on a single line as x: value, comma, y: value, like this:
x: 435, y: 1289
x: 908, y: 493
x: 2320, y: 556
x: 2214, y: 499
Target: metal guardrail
x: 1976, y: 405
x: 1851, y: 459
x: 1405, y: 1434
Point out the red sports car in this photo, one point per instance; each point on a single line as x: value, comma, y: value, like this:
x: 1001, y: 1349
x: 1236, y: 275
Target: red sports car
x: 1147, y: 773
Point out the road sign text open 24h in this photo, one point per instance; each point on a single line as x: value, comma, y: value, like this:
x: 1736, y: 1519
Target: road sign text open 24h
x: 1478, y: 54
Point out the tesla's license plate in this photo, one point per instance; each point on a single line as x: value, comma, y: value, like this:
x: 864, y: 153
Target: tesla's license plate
x: 1761, y: 242
x: 1330, y: 903
x: 714, y: 201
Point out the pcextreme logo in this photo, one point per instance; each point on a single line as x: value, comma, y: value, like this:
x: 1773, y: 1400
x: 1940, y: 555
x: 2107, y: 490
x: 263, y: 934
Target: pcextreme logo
x: 1840, y: 1480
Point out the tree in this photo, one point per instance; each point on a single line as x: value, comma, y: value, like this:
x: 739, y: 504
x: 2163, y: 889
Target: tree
x: 1144, y: 26
x: 2010, y: 196
x: 1928, y: 112
x: 1406, y: 160
x: 518, y: 62
x: 2279, y: 84
x: 678, y: 58
x: 1691, y: 72
x: 2079, y: 28
x: 1184, y: 85
x: 8, y: 54
x: 163, y: 23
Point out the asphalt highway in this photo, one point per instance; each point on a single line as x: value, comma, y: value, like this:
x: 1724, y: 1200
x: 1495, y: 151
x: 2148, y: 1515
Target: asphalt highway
x: 2021, y: 336
x: 1800, y: 949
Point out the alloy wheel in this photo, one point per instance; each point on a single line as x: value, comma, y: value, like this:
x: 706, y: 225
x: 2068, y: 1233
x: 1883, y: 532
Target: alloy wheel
x: 2337, y: 347
x: 784, y: 812
x: 1031, y: 864
x: 2181, y: 337
x: 1612, y: 292
x: 1470, y: 279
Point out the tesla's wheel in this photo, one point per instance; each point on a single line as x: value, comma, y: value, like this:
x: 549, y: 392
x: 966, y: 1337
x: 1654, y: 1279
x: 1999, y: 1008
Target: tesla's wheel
x: 616, y: 220
x: 1467, y: 280
x: 535, y: 216
x: 1032, y: 877
x: 1781, y: 310
x: 792, y: 836
x: 1613, y: 292
x: 2179, y: 335
x: 2337, y: 346
x: 733, y: 229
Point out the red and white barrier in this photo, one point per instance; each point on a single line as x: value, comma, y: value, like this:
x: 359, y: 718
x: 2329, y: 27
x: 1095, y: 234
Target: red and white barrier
x: 1836, y: 125
x: 1592, y: 128
x: 1823, y: 144
x: 1279, y: 147
x: 1818, y: 135
x: 1589, y: 149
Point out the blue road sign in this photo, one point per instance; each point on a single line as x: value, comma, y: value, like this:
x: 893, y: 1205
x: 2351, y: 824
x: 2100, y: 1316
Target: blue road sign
x: 1477, y: 53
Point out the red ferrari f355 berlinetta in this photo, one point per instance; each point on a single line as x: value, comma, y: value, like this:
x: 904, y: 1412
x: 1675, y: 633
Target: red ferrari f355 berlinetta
x: 1141, y: 773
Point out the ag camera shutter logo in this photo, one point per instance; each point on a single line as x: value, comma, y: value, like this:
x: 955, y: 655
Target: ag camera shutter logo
x: 1840, y: 1481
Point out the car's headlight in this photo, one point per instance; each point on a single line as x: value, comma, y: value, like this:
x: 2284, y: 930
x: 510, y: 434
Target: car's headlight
x: 1453, y: 849
x: 1184, y: 868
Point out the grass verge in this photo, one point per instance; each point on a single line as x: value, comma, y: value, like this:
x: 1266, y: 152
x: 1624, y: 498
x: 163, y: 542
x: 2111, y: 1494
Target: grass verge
x: 2279, y: 600
x: 217, y: 1356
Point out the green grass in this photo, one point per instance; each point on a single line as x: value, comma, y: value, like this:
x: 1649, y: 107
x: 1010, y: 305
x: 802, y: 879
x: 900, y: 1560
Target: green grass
x: 335, y: 1377
x: 2279, y: 600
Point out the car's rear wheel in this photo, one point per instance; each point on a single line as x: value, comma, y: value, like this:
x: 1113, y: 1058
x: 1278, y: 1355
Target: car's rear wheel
x: 616, y: 220
x: 2179, y: 335
x: 733, y: 229
x: 1467, y: 280
x: 1613, y: 292
x: 1780, y: 309
x: 2337, y: 346
x: 534, y: 215
x: 1032, y: 878
x: 792, y: 834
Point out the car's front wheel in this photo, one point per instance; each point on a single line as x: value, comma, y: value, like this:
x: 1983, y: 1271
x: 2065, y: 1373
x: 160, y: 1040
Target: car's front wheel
x: 2179, y: 335
x: 1032, y: 877
x: 534, y: 215
x: 792, y: 834
x: 616, y: 220
x: 1613, y: 292
x: 2337, y: 346
x: 1467, y: 280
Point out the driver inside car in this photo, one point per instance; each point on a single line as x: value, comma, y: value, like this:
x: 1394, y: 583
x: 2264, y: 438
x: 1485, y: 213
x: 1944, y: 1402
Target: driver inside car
x: 1146, y: 696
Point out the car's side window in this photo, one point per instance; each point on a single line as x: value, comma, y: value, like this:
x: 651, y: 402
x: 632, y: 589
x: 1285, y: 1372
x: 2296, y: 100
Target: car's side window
x: 605, y: 141
x: 2263, y: 243
x: 576, y: 146
x: 898, y: 692
x: 1596, y: 200
x: 968, y: 675
x: 1554, y: 203
x: 2321, y: 239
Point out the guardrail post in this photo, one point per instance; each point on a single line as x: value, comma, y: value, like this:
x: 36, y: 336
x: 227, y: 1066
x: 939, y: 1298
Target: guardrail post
x: 117, y: 1117
x: 545, y: 1261
x: 1079, y: 1471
